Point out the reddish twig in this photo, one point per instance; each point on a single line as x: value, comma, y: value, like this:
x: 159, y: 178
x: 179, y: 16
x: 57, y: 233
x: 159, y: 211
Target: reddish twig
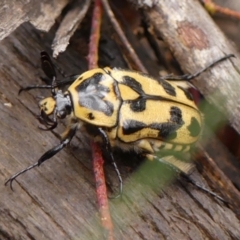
x: 98, y: 161
x: 101, y: 190
x: 214, y: 8
x: 95, y: 35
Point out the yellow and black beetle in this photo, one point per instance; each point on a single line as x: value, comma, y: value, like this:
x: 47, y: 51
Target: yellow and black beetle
x: 123, y: 108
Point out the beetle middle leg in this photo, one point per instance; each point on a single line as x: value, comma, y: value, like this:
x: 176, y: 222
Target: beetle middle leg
x: 110, y: 154
x: 47, y: 155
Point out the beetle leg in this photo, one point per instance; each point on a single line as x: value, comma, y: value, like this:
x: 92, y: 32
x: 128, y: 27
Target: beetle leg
x: 173, y: 163
x: 109, y: 152
x: 188, y: 77
x: 201, y: 187
x: 183, y: 169
x: 50, y: 153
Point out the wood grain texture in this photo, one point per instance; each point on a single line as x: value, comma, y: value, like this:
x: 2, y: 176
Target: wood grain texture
x: 69, y: 25
x: 42, y: 14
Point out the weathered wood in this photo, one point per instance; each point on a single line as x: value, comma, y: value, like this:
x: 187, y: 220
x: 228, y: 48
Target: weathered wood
x: 57, y: 200
x: 69, y: 25
x: 42, y: 14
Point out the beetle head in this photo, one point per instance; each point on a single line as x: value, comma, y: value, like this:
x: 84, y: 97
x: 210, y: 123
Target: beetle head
x: 59, y: 105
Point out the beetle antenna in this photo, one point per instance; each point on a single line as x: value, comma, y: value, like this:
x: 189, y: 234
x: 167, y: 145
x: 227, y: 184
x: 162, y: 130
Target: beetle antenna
x: 49, y: 70
x: 34, y: 87
x: 188, y: 77
x: 53, y: 88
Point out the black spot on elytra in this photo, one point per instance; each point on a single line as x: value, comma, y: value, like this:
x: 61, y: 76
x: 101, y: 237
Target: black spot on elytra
x: 138, y: 105
x: 176, y: 115
x: 91, y: 94
x: 169, y: 89
x: 172, y: 135
x: 133, y: 84
x: 132, y: 126
x: 187, y: 93
x: 91, y: 116
x: 194, y: 128
x: 91, y: 81
x: 167, y: 130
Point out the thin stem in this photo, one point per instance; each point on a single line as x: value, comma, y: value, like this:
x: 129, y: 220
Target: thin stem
x: 101, y: 190
x: 95, y: 35
x: 98, y: 160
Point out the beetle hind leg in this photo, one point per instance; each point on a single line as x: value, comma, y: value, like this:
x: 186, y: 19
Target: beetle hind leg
x: 173, y: 163
x: 183, y: 169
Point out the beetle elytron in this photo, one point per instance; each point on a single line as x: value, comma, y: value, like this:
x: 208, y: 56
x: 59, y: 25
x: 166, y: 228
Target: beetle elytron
x: 122, y: 108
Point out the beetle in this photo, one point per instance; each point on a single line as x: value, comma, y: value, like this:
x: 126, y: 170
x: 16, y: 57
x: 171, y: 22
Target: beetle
x: 125, y: 109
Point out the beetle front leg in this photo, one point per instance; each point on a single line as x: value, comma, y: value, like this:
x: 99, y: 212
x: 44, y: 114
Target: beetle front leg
x: 109, y: 152
x: 47, y: 155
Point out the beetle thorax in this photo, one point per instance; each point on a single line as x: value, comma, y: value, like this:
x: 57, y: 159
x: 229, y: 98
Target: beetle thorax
x: 63, y: 104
